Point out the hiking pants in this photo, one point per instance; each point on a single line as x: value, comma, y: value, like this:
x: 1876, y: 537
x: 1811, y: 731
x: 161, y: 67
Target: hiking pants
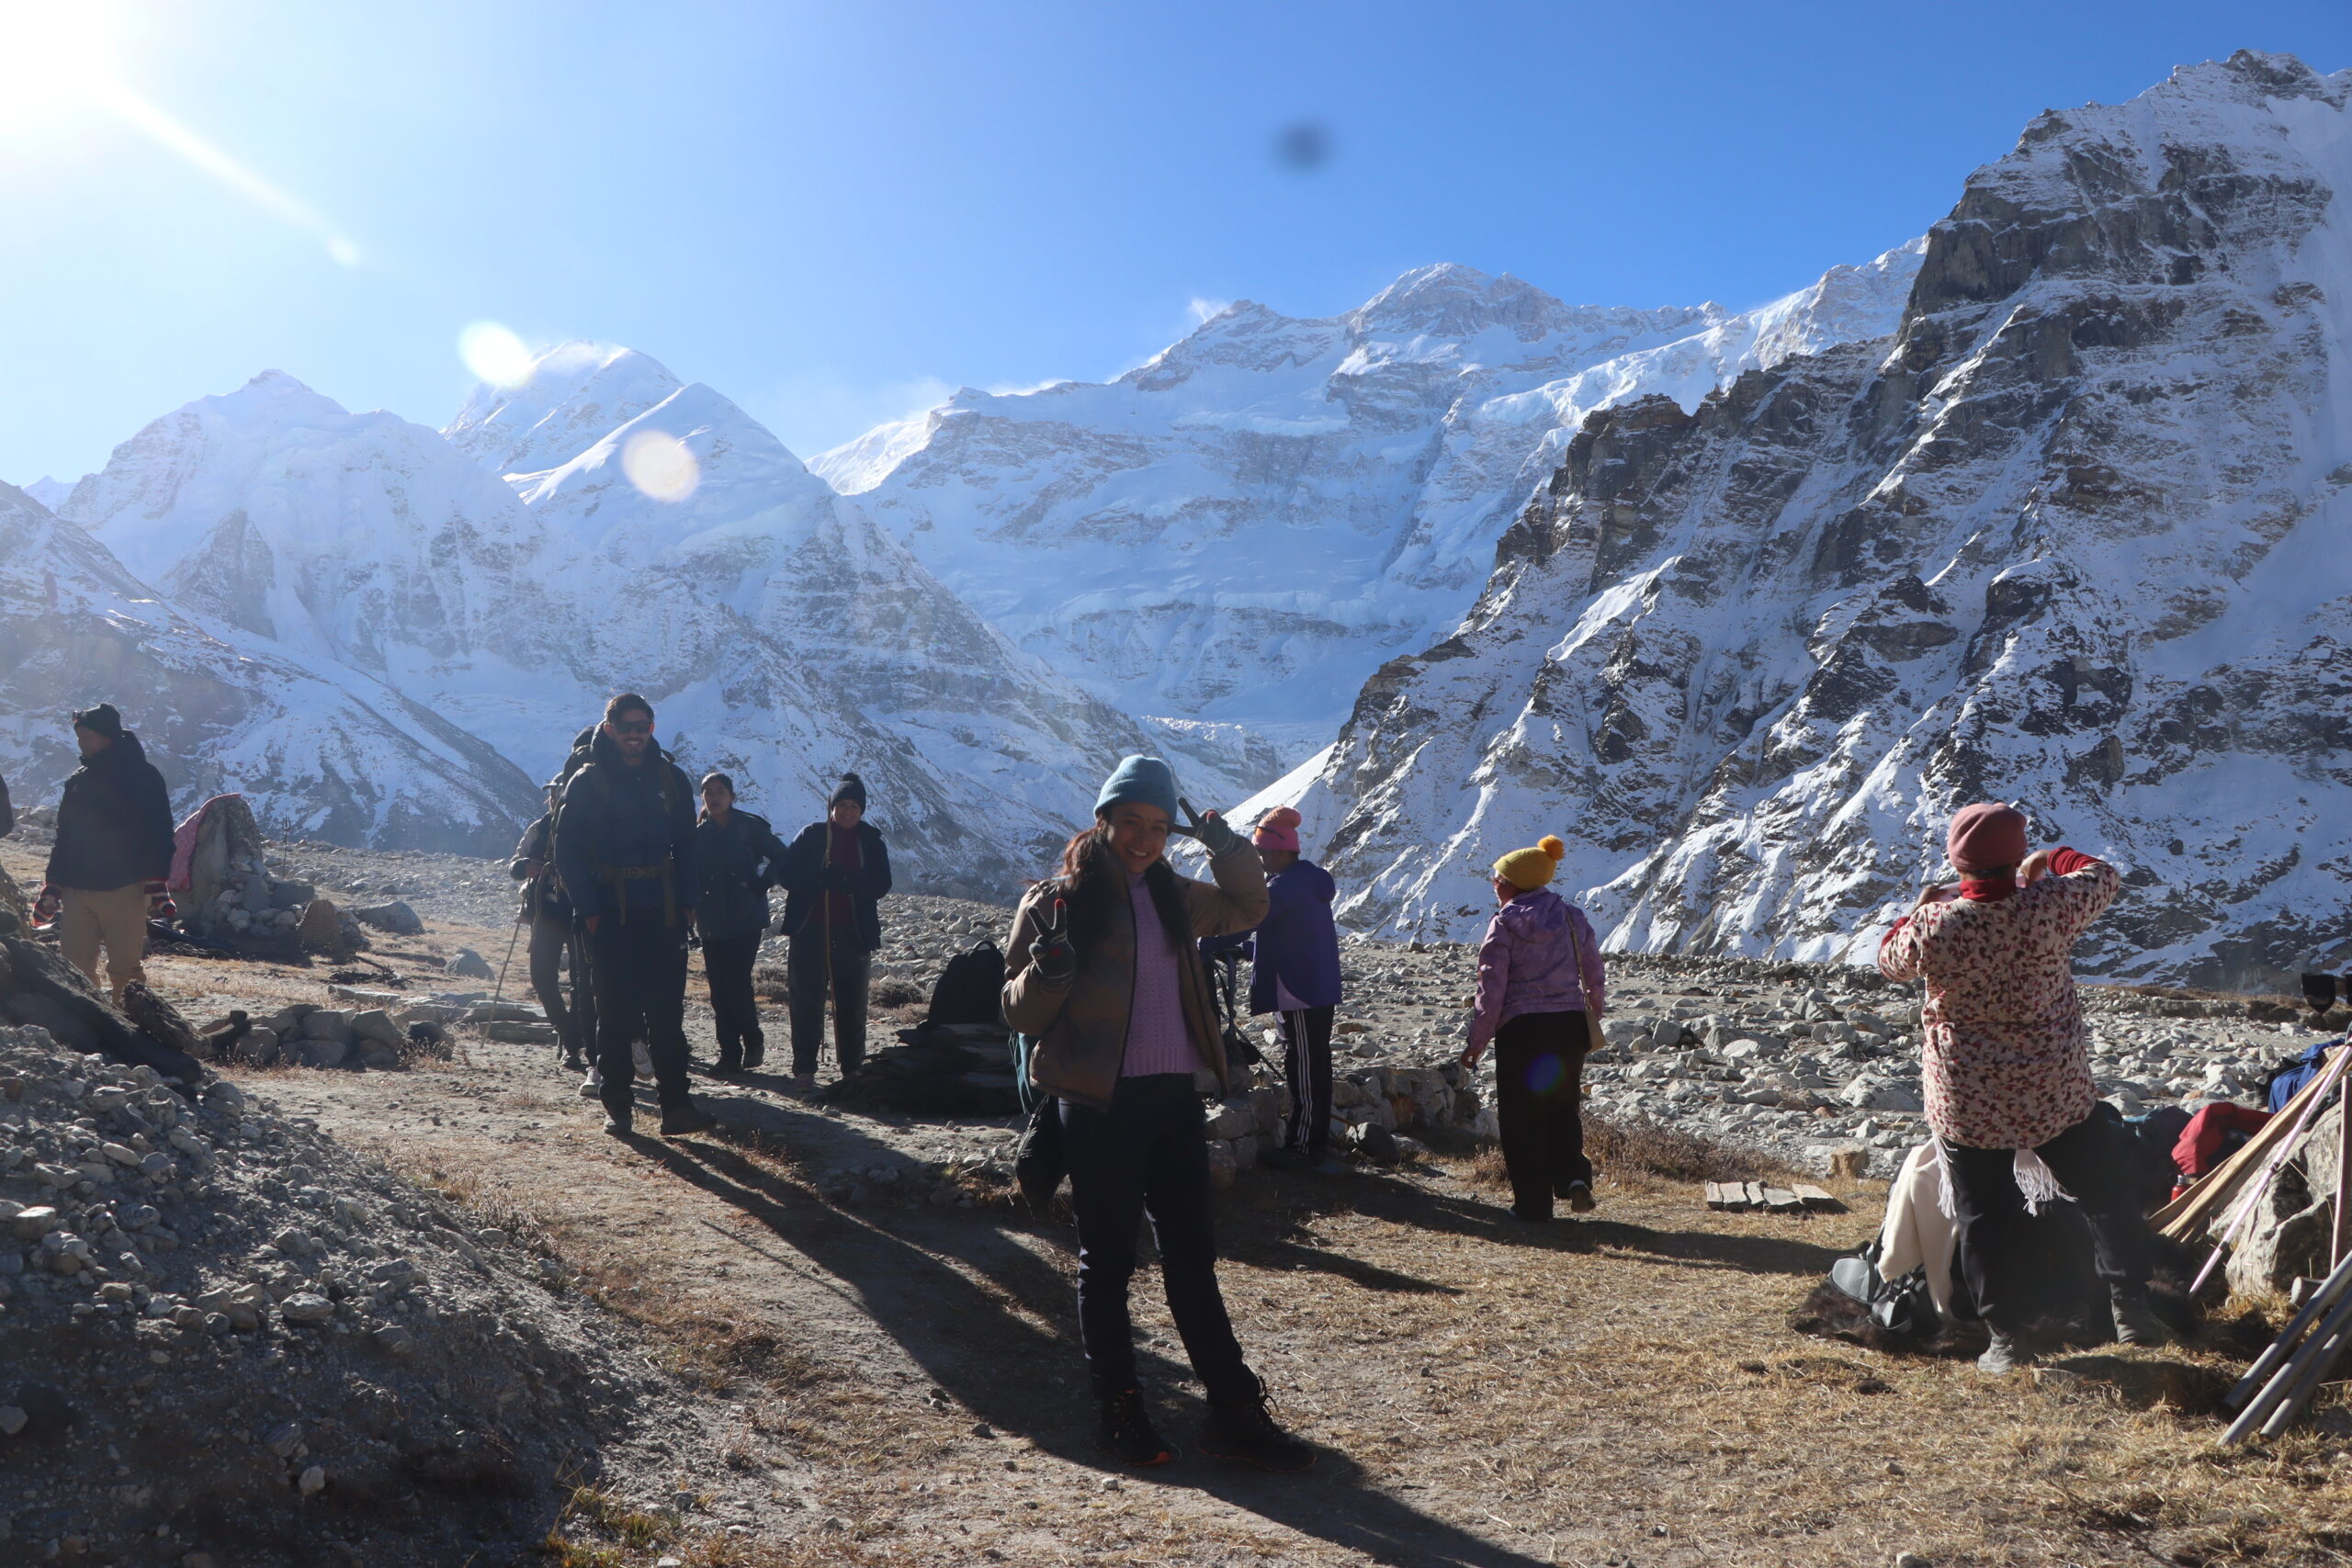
x: 551, y: 941
x: 804, y: 969
x: 1539, y: 1101
x: 2091, y: 1162
x: 641, y: 974
x: 1147, y: 1155
x: 727, y: 965
x: 115, y: 919
x: 1307, y: 1064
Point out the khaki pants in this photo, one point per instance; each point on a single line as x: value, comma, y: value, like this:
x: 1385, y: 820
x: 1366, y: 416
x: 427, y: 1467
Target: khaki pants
x: 117, y: 920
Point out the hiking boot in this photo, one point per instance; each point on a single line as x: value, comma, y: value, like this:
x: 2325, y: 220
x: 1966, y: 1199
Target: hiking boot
x: 1243, y: 1430
x: 2135, y: 1322
x: 1580, y: 1196
x: 755, y: 1056
x: 1532, y: 1216
x: 644, y: 1059
x: 685, y: 1121
x: 802, y: 1086
x: 572, y: 1062
x: 620, y: 1124
x: 1126, y: 1431
x: 728, y: 1065
x: 593, y: 1086
x: 2007, y: 1353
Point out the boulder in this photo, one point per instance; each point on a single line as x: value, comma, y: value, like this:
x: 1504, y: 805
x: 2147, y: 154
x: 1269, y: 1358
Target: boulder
x: 326, y: 1023
x: 376, y: 1025
x: 469, y: 964
x: 325, y: 1053
x: 38, y: 986
x: 321, y: 930
x: 1222, y: 1165
x: 257, y: 1047
x: 2293, y: 1223
x: 395, y: 917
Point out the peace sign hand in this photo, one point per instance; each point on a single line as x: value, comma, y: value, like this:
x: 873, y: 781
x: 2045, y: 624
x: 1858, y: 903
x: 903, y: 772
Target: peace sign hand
x: 1051, y: 953
x: 1215, y: 834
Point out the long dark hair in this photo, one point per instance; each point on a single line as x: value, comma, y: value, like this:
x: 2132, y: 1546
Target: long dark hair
x: 1091, y: 881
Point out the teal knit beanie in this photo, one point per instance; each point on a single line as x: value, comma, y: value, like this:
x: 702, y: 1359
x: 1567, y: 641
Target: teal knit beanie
x: 1146, y: 780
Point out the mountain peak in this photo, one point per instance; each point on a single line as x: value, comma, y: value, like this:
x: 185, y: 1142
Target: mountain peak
x: 1450, y: 299
x: 576, y: 392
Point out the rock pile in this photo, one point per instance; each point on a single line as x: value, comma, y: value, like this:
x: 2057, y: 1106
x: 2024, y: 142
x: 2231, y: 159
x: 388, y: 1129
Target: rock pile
x: 234, y: 899
x: 213, y: 1315
x: 2292, y: 1228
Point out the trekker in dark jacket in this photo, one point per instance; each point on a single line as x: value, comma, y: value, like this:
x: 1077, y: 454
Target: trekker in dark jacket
x: 110, y: 866
x: 1102, y: 970
x: 834, y: 875
x: 555, y: 933
x: 7, y: 812
x: 625, y: 846
x: 1294, y: 973
x: 739, y: 853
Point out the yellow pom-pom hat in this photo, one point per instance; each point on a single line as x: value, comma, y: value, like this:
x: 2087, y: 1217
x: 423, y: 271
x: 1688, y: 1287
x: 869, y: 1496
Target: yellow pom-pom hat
x: 1528, y: 869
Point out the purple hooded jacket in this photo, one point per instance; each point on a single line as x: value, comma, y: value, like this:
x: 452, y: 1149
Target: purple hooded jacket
x: 1527, y: 964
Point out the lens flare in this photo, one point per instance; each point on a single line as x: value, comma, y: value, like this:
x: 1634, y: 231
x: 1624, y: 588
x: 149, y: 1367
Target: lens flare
x: 661, y: 465
x: 53, y: 58
x: 1545, y: 1074
x: 494, y: 355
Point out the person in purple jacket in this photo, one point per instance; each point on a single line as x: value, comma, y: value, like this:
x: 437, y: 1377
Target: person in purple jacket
x: 1539, y: 970
x: 1294, y: 973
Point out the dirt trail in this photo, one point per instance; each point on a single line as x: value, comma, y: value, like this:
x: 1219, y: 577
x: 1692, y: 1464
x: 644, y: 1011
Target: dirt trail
x: 1622, y: 1390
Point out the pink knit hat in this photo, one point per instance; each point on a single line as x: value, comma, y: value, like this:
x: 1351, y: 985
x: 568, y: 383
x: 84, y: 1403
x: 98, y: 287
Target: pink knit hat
x: 1985, y: 835
x: 1278, y: 829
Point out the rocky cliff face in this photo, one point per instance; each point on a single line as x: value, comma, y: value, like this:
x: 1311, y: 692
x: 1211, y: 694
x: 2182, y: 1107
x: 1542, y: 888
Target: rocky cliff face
x: 2069, y: 536
x: 1242, y: 529
x: 320, y: 750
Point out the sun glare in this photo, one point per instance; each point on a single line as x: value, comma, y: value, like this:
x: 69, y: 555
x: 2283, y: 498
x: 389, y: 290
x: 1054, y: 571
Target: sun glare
x: 494, y: 355
x: 662, y: 467
x: 55, y: 56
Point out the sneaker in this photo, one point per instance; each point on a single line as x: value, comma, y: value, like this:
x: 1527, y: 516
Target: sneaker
x: 1126, y: 1431
x: 644, y: 1059
x: 1244, y: 1431
x: 1579, y: 1196
x: 593, y: 1086
x: 620, y: 1124
x: 2008, y: 1353
x: 685, y: 1121
x: 2135, y: 1322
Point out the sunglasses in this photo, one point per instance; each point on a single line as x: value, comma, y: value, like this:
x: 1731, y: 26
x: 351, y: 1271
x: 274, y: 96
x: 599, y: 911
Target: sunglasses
x: 632, y: 727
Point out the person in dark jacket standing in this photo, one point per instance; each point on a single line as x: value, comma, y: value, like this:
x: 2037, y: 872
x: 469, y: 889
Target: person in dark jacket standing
x: 555, y: 934
x: 110, y: 866
x: 7, y: 812
x: 1294, y: 973
x: 1103, y: 971
x: 740, y: 853
x: 625, y: 846
x: 834, y: 875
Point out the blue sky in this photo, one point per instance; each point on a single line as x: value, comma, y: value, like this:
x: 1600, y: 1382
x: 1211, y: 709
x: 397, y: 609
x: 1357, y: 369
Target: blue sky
x: 834, y: 212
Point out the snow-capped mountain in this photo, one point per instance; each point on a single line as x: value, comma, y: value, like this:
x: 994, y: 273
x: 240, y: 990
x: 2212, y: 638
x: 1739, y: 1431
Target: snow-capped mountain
x: 2071, y: 536
x: 320, y: 750
x: 781, y: 637
x: 1242, y: 529
x: 50, y: 493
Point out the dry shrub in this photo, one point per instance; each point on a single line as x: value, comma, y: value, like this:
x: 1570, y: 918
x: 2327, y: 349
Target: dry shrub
x: 1635, y: 1148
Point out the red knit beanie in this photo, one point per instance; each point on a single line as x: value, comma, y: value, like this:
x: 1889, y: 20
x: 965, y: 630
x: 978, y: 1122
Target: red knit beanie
x: 1986, y: 836
x: 1278, y: 830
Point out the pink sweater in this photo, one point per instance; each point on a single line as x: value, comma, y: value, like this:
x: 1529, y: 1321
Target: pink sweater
x: 1158, y: 1041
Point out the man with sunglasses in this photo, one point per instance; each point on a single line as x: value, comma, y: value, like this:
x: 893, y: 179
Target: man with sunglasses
x: 625, y: 844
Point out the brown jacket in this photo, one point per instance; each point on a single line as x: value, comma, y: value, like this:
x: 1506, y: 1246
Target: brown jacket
x: 1081, y: 1025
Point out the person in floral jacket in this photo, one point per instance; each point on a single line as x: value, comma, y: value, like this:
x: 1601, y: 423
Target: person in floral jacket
x: 2007, y: 1069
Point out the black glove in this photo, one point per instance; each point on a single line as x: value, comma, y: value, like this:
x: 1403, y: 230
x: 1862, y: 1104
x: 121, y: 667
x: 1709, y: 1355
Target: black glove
x: 1051, y: 953
x: 1212, y: 830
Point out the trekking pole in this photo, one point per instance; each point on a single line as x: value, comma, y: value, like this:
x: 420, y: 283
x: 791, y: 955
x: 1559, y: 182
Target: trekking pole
x: 498, y: 993
x: 2261, y: 1184
x: 2283, y: 1348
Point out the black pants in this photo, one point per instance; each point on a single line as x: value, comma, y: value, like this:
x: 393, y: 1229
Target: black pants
x: 1147, y: 1155
x: 2090, y: 1162
x: 1538, y: 1100
x: 805, y: 968
x: 640, y: 973
x: 727, y: 965
x: 1307, y: 1064
x: 551, y: 948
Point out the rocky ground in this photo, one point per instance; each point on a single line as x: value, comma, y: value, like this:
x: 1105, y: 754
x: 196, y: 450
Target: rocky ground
x: 824, y: 1336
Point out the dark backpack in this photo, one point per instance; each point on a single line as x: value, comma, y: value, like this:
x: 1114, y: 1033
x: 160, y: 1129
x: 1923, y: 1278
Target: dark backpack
x: 970, y: 989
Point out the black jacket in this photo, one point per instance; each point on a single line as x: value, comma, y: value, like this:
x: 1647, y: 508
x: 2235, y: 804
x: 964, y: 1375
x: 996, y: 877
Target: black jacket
x: 114, y: 824
x: 625, y: 838
x: 7, y: 812
x: 804, y: 874
x: 542, y: 895
x: 738, y: 866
